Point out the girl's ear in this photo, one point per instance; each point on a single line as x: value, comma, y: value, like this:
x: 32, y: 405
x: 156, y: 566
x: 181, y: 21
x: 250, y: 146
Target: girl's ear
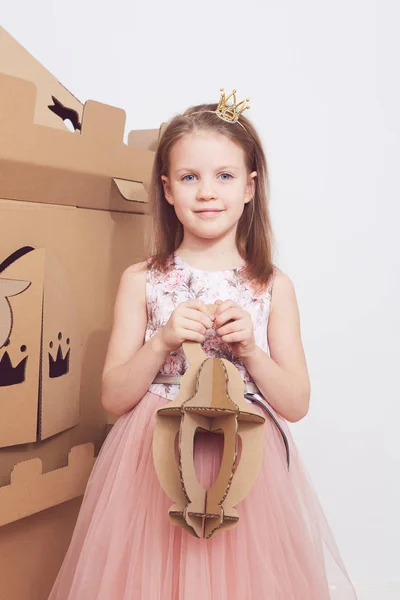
x: 167, y: 189
x: 251, y: 187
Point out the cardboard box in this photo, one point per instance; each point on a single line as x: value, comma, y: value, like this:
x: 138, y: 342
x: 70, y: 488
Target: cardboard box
x: 72, y: 217
x: 211, y: 399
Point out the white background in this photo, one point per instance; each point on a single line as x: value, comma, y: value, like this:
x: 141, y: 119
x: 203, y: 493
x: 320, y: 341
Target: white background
x: 323, y: 78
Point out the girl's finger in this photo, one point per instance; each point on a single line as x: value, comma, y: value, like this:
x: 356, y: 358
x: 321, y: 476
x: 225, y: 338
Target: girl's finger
x: 234, y: 338
x: 192, y: 325
x: 233, y: 327
x: 196, y: 304
x: 224, y: 305
x: 193, y: 336
x: 196, y: 315
x: 230, y: 314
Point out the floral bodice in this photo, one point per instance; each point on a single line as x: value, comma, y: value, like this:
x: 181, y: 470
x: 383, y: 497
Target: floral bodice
x: 181, y: 282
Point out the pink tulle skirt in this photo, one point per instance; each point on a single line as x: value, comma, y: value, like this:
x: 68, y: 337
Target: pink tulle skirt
x: 124, y: 547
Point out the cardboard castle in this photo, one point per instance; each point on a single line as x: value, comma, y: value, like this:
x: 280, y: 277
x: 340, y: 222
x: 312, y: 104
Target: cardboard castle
x: 72, y: 217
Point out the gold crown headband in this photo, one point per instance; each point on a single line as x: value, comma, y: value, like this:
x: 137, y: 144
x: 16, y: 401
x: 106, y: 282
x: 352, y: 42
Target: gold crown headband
x: 229, y: 113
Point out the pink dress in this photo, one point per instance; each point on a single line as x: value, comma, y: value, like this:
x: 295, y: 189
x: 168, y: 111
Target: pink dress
x: 124, y: 547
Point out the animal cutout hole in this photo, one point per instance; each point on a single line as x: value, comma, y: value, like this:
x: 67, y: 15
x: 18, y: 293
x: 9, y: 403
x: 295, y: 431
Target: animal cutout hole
x: 68, y: 115
x: 69, y: 125
x: 208, y: 448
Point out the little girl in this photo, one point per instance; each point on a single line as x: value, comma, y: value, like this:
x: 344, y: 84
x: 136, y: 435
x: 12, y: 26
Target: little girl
x: 212, y: 245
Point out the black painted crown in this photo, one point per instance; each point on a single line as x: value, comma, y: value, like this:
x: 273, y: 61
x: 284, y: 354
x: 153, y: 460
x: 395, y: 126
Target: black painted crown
x: 10, y: 375
x: 59, y: 366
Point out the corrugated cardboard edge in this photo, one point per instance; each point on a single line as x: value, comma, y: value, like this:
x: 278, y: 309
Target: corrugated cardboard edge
x: 32, y: 491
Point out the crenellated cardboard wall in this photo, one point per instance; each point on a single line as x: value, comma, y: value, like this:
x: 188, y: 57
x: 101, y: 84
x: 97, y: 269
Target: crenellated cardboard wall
x: 72, y: 217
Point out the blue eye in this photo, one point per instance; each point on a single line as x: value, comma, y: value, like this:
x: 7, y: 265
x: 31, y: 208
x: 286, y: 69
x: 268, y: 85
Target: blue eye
x: 229, y: 176
x: 185, y: 176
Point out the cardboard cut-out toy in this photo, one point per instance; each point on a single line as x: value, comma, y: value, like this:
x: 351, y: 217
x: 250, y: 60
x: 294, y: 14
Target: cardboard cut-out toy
x: 211, y: 399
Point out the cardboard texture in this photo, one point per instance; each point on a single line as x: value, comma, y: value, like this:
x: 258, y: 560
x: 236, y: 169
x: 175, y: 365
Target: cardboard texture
x: 92, y: 168
x: 31, y: 551
x: 32, y: 491
x: 16, y: 61
x: 72, y: 218
x: 211, y: 399
x: 40, y: 312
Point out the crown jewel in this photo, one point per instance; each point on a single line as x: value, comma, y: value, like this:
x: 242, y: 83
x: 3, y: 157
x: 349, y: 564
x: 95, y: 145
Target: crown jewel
x: 231, y: 112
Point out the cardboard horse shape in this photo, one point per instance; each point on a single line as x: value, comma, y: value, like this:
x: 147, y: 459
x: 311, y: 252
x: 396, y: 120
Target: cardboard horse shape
x: 211, y: 399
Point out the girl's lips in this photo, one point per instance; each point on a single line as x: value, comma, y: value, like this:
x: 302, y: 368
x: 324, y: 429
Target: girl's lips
x: 208, y: 214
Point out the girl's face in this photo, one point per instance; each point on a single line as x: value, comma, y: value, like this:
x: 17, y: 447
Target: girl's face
x: 208, y: 184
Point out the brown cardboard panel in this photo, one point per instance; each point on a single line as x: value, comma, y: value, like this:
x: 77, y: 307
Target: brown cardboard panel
x: 93, y: 247
x: 32, y: 549
x: 61, y: 353
x: 38, y: 322
x: 9, y: 288
x: 132, y: 191
x: 163, y: 127
x: 20, y: 351
x: 144, y: 138
x: 16, y: 61
x: 46, y: 171
x: 61, y: 167
x: 211, y: 399
x: 32, y: 491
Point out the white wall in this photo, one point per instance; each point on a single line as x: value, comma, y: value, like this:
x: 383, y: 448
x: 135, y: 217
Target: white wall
x: 323, y: 79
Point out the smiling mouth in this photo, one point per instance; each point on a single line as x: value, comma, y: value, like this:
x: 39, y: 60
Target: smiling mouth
x: 209, y: 210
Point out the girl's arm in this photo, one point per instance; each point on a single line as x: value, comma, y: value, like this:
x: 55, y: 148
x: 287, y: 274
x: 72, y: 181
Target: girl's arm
x: 130, y: 365
x: 283, y: 377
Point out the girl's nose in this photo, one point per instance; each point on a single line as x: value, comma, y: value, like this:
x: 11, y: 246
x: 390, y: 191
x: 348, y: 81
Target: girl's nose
x: 206, y: 193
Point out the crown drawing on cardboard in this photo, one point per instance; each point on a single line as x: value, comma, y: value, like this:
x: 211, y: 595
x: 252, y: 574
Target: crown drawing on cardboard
x: 10, y: 375
x: 211, y: 399
x: 37, y: 361
x: 60, y: 365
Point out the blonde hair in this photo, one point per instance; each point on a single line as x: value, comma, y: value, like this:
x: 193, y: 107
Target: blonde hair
x: 254, y: 237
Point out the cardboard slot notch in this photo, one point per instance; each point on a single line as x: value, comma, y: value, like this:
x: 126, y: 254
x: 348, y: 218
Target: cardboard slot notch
x: 32, y: 491
x: 133, y: 191
x: 211, y: 399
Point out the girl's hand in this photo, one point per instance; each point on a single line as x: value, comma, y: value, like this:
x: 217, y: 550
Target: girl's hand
x: 235, y: 327
x: 188, y: 322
